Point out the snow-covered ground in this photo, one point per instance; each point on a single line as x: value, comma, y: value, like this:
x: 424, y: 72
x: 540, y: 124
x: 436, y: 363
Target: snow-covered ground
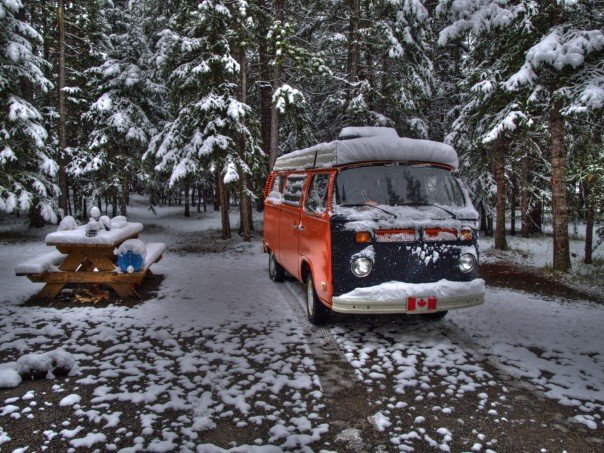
x: 537, y: 251
x: 558, y: 346
x: 218, y: 357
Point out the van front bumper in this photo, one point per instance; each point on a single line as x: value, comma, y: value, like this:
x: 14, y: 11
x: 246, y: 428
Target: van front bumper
x: 411, y: 298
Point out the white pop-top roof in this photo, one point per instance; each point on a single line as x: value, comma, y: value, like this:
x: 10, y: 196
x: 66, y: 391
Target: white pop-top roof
x: 368, y: 144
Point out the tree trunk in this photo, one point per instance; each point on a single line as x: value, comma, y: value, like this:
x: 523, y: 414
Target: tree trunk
x: 63, y: 186
x: 484, y: 227
x: 187, y: 197
x: 215, y: 192
x: 114, y: 206
x: 500, y: 150
x: 589, y: 225
x: 200, y: 196
x: 245, y: 202
x: 367, y: 72
x: 561, y: 260
x: 513, y: 202
x: 385, y: 87
x: 535, y: 217
x: 274, y: 138
x: 125, y: 196
x: 589, y: 205
x: 224, y: 207
x: 35, y: 216
x: 75, y: 202
x: 246, y: 209
x: 353, y: 48
x: 524, y: 199
x: 265, y: 86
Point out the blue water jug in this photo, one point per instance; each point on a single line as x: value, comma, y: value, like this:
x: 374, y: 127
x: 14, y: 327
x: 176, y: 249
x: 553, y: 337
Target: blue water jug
x: 130, y: 259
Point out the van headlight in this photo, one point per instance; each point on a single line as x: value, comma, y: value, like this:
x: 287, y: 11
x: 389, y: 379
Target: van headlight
x: 361, y: 267
x: 467, y: 262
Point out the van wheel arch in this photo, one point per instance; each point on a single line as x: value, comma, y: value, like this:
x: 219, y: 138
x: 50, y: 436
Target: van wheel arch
x: 316, y: 312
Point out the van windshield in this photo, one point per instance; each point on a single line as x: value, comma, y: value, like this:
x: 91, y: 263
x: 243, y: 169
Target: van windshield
x: 398, y: 186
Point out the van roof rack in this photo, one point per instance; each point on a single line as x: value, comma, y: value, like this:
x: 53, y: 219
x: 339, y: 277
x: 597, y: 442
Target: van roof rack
x: 368, y: 144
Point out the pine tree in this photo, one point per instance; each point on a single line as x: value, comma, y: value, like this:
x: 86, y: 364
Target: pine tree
x: 563, y: 69
x: 414, y: 83
x: 26, y: 167
x: 122, y: 119
x: 488, y: 113
x: 198, y: 53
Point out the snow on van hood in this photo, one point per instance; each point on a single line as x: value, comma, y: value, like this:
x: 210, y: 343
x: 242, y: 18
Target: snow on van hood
x: 365, y: 218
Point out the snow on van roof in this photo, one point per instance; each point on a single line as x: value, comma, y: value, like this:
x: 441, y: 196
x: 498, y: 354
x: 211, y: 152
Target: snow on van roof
x: 368, y: 144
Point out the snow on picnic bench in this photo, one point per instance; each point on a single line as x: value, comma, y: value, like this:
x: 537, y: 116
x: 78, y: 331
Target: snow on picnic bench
x: 154, y: 251
x: 43, y: 263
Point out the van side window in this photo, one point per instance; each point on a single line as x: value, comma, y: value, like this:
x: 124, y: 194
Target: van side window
x: 316, y: 200
x: 293, y: 189
x: 275, y: 194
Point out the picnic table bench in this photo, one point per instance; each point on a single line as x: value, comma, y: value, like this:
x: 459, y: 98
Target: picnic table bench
x: 88, y: 260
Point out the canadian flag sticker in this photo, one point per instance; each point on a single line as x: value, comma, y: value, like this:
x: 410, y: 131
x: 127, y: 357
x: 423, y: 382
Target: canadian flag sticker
x: 421, y: 303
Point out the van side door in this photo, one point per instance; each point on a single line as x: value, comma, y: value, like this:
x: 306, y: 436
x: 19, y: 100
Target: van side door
x: 315, y: 232
x: 289, y: 223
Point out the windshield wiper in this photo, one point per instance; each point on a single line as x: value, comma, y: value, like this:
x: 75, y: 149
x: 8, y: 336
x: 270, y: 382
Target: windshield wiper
x: 411, y: 203
x: 368, y: 206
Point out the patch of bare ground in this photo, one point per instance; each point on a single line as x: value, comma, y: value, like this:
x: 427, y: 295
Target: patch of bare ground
x: 535, y: 281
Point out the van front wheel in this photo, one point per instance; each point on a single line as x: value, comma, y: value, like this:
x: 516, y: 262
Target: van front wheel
x: 317, y: 312
x: 275, y: 270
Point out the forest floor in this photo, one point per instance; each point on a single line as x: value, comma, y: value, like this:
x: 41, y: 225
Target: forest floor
x: 217, y: 356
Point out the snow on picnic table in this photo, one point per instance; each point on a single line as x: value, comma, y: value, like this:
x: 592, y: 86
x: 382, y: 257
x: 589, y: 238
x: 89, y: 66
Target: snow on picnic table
x: 78, y: 236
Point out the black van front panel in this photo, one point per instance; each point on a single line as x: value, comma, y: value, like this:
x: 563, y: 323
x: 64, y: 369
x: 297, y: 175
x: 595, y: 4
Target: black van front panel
x: 410, y: 262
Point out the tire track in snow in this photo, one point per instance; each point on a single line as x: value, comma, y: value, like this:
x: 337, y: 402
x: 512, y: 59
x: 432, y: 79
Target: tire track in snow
x: 344, y: 394
x: 322, y: 345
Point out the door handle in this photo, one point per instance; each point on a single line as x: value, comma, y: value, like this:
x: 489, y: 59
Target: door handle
x: 298, y: 227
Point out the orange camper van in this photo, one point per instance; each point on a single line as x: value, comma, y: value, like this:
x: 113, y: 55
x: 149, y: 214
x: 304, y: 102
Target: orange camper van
x: 373, y: 223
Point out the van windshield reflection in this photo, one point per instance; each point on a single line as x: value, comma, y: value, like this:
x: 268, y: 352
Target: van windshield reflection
x: 398, y: 186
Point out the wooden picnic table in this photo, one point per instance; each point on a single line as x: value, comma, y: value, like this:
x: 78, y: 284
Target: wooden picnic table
x: 88, y: 260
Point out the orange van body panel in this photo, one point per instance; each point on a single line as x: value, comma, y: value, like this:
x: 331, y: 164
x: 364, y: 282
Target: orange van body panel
x: 312, y: 244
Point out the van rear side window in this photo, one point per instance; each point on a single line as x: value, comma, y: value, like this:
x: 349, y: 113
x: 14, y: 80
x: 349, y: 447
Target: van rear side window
x: 275, y: 194
x: 293, y: 189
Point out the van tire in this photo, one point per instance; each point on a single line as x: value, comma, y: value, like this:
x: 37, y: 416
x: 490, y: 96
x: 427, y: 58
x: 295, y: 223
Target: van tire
x: 275, y: 271
x: 435, y: 316
x: 317, y: 313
